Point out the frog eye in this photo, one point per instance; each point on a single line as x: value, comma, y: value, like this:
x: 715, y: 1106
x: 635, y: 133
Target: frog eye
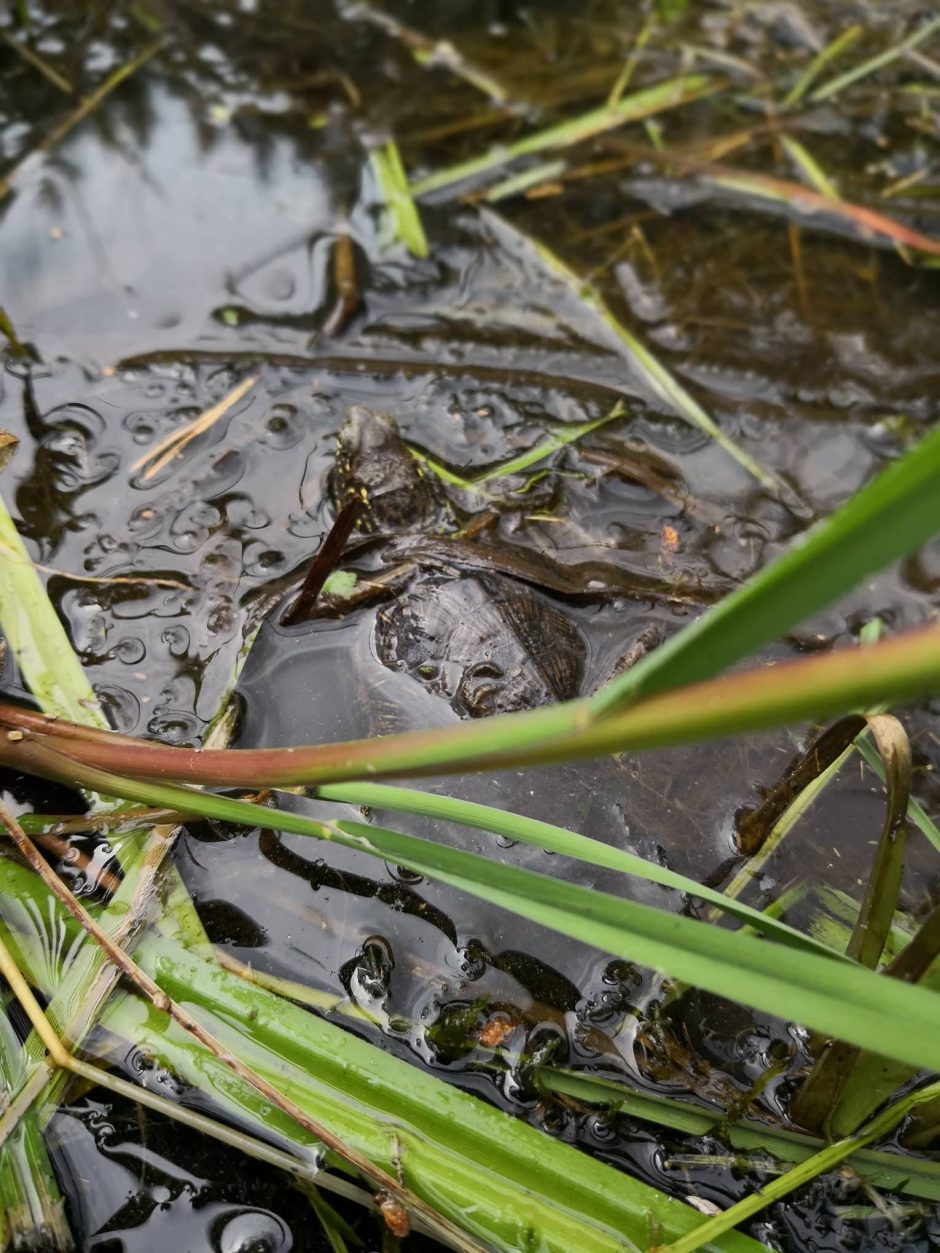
x: 428, y: 671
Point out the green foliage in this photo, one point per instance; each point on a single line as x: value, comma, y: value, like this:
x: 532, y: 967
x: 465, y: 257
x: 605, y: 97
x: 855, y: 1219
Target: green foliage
x: 671, y: 10
x: 404, y: 221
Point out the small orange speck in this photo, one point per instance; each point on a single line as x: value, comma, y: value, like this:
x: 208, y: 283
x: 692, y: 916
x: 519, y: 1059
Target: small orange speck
x: 670, y: 539
x: 544, y: 190
x: 394, y: 1213
x: 493, y: 1033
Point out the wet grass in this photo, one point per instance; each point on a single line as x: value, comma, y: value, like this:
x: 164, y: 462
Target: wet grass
x: 816, y: 989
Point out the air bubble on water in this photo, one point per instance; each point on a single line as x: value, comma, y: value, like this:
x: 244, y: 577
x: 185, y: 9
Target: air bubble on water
x: 252, y: 1231
x: 130, y: 651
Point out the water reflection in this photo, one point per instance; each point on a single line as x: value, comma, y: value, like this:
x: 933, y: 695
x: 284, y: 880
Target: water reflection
x: 182, y: 239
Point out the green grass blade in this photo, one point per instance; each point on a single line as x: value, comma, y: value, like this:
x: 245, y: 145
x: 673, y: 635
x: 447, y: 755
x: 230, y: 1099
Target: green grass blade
x: 825, y: 994
x: 902, y: 668
x: 34, y: 632
x: 557, y: 840
x: 889, y: 518
x: 832, y: 50
x: 809, y: 167
x: 835, y: 85
x: 640, y: 104
x: 552, y: 442
x: 915, y: 1175
x: 500, y: 1177
x: 516, y: 184
x: 648, y: 367
x: 827, y: 1159
x: 405, y: 221
x: 30, y: 1201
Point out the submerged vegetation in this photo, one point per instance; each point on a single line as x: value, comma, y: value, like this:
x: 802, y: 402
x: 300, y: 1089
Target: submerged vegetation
x: 388, y: 483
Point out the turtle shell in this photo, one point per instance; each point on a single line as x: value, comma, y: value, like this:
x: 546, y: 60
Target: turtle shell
x: 487, y: 643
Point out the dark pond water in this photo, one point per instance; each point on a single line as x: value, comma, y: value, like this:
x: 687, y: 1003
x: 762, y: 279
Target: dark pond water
x: 182, y: 238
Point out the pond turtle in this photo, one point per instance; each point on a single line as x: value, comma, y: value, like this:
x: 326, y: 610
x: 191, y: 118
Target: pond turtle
x: 487, y: 643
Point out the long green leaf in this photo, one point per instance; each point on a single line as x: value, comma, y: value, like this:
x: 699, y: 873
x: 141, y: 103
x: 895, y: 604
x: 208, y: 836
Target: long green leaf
x: 404, y: 218
x: 498, y: 1176
x: 36, y: 635
x: 826, y: 995
x: 558, y: 840
x: 910, y: 1173
x: 854, y: 1003
x: 901, y: 668
x: 639, y: 104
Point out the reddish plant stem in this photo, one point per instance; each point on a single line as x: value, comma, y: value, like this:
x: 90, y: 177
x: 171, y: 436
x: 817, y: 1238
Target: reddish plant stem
x: 906, y: 666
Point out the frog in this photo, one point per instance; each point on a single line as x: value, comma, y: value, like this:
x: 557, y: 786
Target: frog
x: 375, y: 468
x: 487, y: 643
x: 485, y: 639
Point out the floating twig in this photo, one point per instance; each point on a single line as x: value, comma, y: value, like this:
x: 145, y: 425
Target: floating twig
x: 432, y: 52
x: 38, y: 63
x: 8, y: 331
x: 117, y: 580
x: 164, y: 452
x: 871, y: 225
x: 362, y: 364
x: 348, y: 296
x: 323, y: 564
